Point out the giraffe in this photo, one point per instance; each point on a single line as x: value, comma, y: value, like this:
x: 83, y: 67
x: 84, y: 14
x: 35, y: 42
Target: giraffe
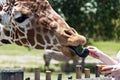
x: 34, y: 24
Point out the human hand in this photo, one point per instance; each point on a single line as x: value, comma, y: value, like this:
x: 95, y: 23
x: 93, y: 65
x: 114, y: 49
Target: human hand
x: 95, y: 52
x: 111, y: 70
x: 100, y: 66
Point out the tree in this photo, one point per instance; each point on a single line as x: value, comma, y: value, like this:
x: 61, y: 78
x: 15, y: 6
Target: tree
x: 93, y: 18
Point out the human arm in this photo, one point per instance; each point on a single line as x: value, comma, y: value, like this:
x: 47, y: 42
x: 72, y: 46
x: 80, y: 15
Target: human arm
x: 111, y: 70
x: 98, y: 54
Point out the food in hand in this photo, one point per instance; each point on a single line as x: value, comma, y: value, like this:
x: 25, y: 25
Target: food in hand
x: 100, y: 67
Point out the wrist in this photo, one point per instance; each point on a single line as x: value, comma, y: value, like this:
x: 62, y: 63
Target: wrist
x: 103, y: 56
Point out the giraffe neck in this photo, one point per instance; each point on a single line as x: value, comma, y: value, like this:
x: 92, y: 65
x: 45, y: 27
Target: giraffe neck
x: 32, y: 37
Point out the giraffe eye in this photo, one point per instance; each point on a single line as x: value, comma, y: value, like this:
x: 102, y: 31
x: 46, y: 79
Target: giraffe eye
x: 22, y: 18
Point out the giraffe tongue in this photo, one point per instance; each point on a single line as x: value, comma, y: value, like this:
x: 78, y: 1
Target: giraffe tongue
x: 82, y: 52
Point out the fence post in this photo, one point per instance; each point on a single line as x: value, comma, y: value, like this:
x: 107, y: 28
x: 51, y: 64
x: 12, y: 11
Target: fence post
x: 27, y: 78
x: 11, y: 74
x: 97, y: 73
x: 78, y: 71
x: 48, y: 75
x: 37, y: 74
x: 87, y: 73
x: 83, y: 64
x: 70, y: 78
x: 59, y: 77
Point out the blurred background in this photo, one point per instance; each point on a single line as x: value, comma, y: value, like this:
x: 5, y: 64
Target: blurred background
x: 96, y: 19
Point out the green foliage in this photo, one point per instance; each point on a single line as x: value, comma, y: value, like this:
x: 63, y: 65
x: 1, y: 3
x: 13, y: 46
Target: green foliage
x: 94, y: 18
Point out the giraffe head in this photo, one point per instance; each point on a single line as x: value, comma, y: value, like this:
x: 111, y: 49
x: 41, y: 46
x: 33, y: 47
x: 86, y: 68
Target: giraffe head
x: 25, y: 17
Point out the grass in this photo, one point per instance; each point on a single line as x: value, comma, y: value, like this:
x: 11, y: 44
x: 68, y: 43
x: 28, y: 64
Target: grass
x: 12, y: 49
x: 20, y: 57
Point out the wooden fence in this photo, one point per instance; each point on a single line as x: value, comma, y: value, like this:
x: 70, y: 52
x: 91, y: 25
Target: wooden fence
x: 17, y: 74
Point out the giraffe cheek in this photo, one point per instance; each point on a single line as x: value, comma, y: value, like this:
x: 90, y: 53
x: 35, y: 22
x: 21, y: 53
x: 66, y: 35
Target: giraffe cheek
x: 67, y: 52
x: 72, y: 41
x: 76, y: 40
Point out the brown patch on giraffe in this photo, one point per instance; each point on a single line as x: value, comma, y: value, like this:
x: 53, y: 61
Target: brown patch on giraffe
x: 55, y: 41
x: 38, y: 47
x: 0, y: 6
x: 20, y: 33
x: 30, y: 36
x: 18, y: 43
x: 39, y: 39
x: 48, y: 40
x: 7, y: 33
x: 24, y: 41
x: 49, y: 47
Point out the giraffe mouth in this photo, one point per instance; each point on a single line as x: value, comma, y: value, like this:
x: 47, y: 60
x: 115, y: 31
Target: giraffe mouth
x: 80, y: 51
